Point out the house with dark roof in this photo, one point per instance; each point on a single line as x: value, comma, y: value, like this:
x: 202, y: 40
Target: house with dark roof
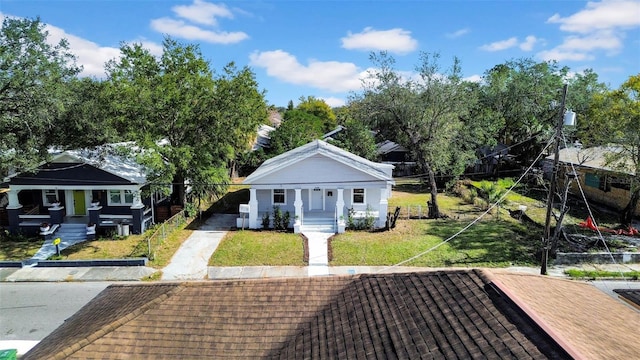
x: 397, y: 155
x: 98, y: 186
x: 601, y: 182
x: 452, y: 314
x: 320, y: 184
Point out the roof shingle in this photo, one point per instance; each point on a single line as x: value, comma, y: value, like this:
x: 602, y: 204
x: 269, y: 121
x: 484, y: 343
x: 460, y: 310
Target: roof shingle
x: 433, y: 315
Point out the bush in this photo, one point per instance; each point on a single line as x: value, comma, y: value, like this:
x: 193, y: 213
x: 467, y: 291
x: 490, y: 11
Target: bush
x: 280, y: 220
x: 190, y: 209
x: 365, y: 223
x: 265, y: 221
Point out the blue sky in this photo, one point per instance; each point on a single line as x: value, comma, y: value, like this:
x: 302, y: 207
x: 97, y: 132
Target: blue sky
x: 322, y: 48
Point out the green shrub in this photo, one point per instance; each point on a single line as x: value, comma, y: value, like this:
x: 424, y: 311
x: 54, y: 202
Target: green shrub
x: 265, y: 221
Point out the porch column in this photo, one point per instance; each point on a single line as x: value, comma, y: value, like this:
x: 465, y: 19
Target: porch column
x: 298, y: 211
x: 340, y: 211
x: 137, y: 200
x: 56, y: 213
x: 14, y: 209
x: 14, y: 203
x: 383, y: 208
x: 253, y: 209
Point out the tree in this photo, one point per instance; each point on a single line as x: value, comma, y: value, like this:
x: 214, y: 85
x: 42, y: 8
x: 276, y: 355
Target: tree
x: 174, y: 106
x: 85, y: 121
x: 614, y: 118
x: 357, y: 139
x: 422, y: 115
x: 240, y: 105
x: 319, y: 109
x: 517, y: 95
x: 297, y: 128
x: 33, y: 94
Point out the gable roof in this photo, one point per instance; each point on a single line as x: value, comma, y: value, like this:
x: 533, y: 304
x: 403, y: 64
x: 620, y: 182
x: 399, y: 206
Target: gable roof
x: 102, y: 165
x: 441, y: 315
x: 319, y: 147
x: 388, y: 146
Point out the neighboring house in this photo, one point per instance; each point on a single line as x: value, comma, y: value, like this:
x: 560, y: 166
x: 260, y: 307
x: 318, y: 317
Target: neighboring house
x: 390, y: 152
x: 263, y: 137
x: 329, y: 136
x: 600, y: 182
x: 492, y: 161
x: 452, y: 314
x: 98, y: 185
x: 319, y: 183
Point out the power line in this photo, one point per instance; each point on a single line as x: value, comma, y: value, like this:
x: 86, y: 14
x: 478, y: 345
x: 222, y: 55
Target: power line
x: 474, y: 221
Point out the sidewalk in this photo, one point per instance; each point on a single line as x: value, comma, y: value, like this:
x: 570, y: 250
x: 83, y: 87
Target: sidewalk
x: 136, y: 273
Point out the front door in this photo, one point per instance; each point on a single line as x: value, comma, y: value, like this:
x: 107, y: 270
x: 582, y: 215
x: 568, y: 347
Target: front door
x: 316, y: 199
x: 79, y: 203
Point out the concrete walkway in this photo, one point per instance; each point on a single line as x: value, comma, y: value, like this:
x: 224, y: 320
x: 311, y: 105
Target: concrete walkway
x: 191, y: 260
x: 48, y: 249
x: 318, y: 252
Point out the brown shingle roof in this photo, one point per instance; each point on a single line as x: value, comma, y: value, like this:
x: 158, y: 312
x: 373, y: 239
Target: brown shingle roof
x: 591, y: 323
x: 440, y: 315
x: 632, y: 296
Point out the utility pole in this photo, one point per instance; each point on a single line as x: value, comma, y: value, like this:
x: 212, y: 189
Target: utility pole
x: 552, y: 186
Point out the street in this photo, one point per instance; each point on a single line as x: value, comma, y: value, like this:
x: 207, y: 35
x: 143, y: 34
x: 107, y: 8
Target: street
x: 31, y: 311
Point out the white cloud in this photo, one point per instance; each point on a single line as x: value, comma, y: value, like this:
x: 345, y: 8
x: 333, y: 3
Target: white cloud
x: 474, y: 78
x: 559, y: 54
x: 395, y: 40
x: 607, y: 14
x: 202, y: 12
x: 180, y: 29
x: 333, y: 101
x: 333, y: 76
x: 600, y: 26
x: 500, y: 45
x: 457, y: 33
x: 90, y: 55
x: 528, y: 43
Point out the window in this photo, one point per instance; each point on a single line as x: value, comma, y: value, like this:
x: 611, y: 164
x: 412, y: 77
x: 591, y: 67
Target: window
x: 598, y: 182
x: 279, y: 196
x: 120, y: 197
x: 50, y: 196
x: 358, y: 196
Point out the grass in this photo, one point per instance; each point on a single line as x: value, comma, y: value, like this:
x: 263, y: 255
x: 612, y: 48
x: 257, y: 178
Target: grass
x: 130, y: 247
x: 254, y: 248
x: 492, y: 243
x: 19, y: 250
x: 599, y: 274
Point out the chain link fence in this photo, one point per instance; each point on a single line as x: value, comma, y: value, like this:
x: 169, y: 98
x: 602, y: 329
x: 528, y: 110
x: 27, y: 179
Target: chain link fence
x: 163, y: 231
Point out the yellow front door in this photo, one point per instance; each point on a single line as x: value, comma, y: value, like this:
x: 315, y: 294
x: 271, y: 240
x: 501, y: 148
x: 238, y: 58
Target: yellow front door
x: 79, y: 204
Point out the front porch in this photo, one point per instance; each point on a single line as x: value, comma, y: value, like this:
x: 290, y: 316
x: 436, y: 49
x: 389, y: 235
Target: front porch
x: 43, y: 217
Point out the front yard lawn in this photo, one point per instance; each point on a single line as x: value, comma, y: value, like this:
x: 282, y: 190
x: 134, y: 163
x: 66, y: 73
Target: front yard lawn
x: 19, y: 250
x: 490, y: 243
x: 254, y: 248
x: 130, y: 247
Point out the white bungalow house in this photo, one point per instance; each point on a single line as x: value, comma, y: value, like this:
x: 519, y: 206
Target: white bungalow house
x: 319, y: 183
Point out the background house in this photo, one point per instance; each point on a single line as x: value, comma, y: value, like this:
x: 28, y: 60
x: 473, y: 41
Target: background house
x: 601, y: 183
x: 319, y: 184
x: 397, y: 155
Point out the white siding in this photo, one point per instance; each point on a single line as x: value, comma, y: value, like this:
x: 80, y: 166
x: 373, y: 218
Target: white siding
x: 318, y: 170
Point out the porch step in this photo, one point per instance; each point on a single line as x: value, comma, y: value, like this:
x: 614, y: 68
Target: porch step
x: 326, y: 228
x: 72, y: 232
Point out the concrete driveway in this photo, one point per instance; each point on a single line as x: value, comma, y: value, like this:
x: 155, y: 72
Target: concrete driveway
x: 191, y: 259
